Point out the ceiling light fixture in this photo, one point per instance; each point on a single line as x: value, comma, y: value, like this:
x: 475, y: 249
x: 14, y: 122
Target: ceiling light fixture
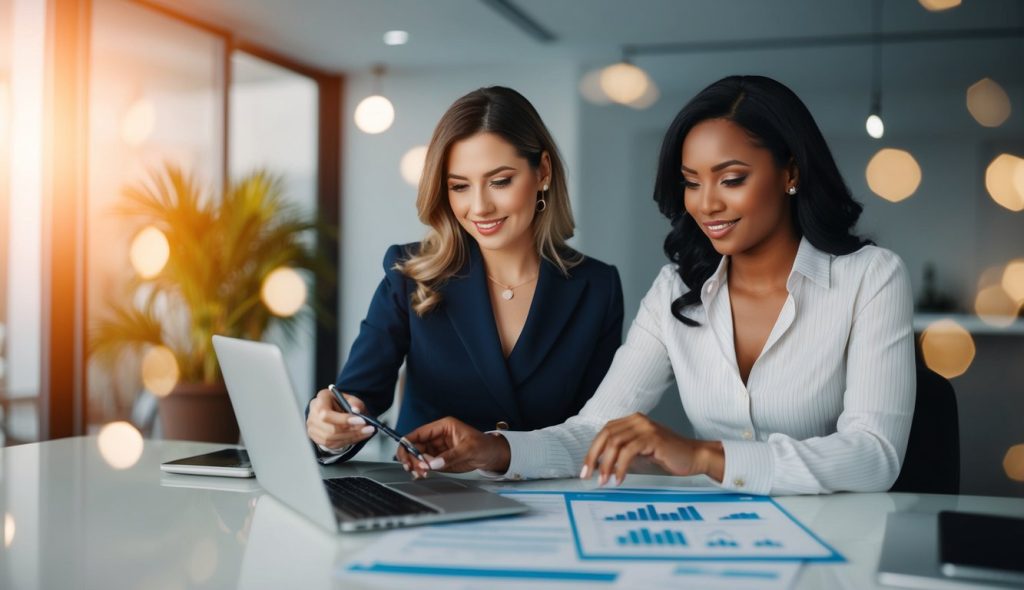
x: 396, y: 37
x: 375, y: 113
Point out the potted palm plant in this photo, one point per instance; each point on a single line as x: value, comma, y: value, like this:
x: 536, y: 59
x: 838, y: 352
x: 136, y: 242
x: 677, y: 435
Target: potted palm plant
x: 224, y: 260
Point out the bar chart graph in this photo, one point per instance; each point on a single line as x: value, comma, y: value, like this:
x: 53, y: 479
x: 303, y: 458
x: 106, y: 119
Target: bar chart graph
x: 742, y: 516
x: 687, y: 526
x: 644, y: 536
x: 649, y: 513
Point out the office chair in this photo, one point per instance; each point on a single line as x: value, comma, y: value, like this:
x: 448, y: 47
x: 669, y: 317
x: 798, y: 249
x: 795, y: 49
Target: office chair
x: 932, y: 462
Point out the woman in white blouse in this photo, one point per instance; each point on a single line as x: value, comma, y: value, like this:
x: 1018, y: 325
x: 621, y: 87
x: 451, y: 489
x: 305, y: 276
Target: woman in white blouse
x: 788, y: 336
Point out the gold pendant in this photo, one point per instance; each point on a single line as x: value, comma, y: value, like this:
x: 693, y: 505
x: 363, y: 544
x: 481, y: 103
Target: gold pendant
x: 507, y: 294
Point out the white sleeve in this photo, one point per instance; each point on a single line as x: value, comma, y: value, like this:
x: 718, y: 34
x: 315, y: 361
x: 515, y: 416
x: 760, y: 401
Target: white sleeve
x: 866, y: 452
x: 639, y: 374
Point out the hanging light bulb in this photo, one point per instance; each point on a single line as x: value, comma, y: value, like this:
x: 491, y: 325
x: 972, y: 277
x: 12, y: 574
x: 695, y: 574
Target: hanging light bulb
x: 624, y: 82
x: 375, y: 113
x: 874, y: 124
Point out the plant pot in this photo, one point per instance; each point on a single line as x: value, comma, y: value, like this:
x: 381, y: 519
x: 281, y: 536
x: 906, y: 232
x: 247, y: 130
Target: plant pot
x: 198, y: 412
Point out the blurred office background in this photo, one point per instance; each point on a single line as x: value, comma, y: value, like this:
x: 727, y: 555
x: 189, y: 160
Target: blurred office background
x: 98, y: 96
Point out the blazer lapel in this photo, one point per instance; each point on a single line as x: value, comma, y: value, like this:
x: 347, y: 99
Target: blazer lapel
x: 468, y: 306
x: 554, y: 301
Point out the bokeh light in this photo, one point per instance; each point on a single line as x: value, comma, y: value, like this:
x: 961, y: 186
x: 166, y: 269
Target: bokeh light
x: 138, y: 122
x: 623, y: 82
x: 1013, y: 280
x: 283, y: 292
x: 149, y: 252
x: 1001, y: 182
x: 1013, y: 462
x: 948, y: 348
x: 648, y: 98
x: 374, y: 114
x: 160, y: 371
x: 995, y: 307
x: 939, y: 5
x: 875, y: 126
x: 9, y: 529
x: 988, y: 103
x: 590, y: 88
x: 1018, y: 177
x: 411, y: 165
x: 893, y: 174
x: 120, y: 444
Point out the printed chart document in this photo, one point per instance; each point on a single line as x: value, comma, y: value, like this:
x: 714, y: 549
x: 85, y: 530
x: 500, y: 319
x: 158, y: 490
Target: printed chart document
x: 677, y: 527
x: 538, y: 549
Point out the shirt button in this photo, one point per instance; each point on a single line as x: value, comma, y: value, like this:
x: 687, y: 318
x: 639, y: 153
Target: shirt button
x: 747, y: 435
x: 501, y: 425
x: 738, y: 482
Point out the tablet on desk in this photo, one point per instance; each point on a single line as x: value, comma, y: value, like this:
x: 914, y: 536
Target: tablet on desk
x: 223, y: 463
x: 982, y: 547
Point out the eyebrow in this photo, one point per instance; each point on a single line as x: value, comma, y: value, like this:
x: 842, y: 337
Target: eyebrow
x: 718, y: 167
x: 486, y: 174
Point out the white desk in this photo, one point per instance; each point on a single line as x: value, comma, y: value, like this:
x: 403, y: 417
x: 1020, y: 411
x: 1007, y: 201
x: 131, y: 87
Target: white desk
x: 79, y: 523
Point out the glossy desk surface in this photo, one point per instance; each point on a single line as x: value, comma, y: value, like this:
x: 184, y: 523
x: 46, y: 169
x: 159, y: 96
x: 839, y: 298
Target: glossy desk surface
x: 71, y: 520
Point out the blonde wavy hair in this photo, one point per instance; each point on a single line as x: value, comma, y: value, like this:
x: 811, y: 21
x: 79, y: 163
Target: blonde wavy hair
x: 443, y: 251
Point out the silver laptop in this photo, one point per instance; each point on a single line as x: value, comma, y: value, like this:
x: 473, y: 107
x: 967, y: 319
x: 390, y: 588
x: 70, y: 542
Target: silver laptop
x: 356, y: 496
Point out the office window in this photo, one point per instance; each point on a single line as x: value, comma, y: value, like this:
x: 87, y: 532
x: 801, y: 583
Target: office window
x: 156, y: 100
x: 22, y: 26
x: 273, y: 116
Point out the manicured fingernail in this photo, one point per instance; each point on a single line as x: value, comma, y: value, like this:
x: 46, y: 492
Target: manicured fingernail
x: 585, y: 472
x: 436, y: 463
x: 602, y: 480
x: 368, y: 430
x: 405, y: 466
x: 613, y: 480
x: 424, y: 466
x: 356, y: 421
x: 415, y: 474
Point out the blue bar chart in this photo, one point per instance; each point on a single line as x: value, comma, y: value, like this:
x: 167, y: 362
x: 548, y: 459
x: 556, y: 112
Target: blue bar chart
x: 688, y: 525
x: 742, y: 516
x: 644, y: 536
x: 649, y: 513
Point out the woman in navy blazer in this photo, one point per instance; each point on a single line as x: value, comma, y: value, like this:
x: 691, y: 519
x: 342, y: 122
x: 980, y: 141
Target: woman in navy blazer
x: 499, y: 322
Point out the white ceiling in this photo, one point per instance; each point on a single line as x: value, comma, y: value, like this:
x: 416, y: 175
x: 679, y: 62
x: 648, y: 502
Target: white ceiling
x: 345, y: 35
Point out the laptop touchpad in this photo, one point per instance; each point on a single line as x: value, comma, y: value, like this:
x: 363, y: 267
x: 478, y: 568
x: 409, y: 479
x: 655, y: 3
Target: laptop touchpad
x: 431, y: 487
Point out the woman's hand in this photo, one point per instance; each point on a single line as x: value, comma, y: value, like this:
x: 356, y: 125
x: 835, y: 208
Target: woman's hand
x: 451, y: 445
x: 327, y: 425
x: 622, y: 440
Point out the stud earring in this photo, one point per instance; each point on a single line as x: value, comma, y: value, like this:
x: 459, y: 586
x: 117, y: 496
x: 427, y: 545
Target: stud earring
x: 546, y: 187
x: 791, y: 190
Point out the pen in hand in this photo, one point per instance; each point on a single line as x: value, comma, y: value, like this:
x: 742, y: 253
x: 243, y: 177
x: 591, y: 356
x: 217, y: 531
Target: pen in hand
x: 347, y: 407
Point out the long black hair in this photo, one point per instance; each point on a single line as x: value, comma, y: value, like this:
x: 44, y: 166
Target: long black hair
x: 824, y: 211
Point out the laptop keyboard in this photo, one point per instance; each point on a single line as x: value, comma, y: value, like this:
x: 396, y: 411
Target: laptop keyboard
x: 360, y: 497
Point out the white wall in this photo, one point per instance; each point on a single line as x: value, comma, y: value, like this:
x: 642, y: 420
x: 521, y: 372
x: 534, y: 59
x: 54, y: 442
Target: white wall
x: 378, y: 207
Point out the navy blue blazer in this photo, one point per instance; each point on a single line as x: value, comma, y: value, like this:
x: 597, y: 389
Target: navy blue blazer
x: 454, y: 362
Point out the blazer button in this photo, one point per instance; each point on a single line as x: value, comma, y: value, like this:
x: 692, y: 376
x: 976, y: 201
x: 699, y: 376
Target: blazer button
x: 501, y: 425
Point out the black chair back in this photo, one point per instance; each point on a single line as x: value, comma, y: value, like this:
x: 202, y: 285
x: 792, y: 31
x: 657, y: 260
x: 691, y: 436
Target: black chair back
x: 932, y: 462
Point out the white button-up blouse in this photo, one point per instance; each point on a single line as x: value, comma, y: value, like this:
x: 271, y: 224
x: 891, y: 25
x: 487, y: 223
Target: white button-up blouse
x: 827, y: 405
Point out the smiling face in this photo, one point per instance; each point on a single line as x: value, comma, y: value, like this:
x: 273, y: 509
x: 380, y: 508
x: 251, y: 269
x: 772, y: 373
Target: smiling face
x: 492, y: 191
x: 734, y: 189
